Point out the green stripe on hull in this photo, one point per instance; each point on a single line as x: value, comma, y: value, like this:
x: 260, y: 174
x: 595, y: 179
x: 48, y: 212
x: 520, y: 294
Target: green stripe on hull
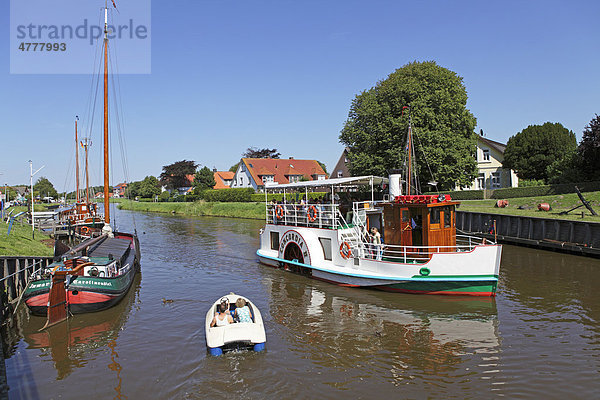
x: 468, y: 288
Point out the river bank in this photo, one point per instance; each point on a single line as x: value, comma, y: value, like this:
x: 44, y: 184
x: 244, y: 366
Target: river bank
x: 199, y: 209
x: 527, y: 206
x: 21, y: 243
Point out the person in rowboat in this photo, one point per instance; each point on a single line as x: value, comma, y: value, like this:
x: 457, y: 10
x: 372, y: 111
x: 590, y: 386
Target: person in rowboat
x: 223, y: 317
x: 242, y: 312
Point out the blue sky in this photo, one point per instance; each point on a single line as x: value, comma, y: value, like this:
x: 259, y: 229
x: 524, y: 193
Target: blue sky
x: 230, y: 74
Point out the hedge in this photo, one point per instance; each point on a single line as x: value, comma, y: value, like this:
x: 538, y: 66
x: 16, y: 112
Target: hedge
x: 227, y: 195
x: 465, y: 194
x: 258, y: 197
x: 547, y: 190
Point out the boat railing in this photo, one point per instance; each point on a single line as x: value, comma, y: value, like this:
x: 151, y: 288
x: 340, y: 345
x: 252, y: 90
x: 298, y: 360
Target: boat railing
x: 309, y: 215
x: 416, y: 254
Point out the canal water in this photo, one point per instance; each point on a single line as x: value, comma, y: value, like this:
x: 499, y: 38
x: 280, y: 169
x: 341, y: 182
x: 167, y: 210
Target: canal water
x: 540, y: 337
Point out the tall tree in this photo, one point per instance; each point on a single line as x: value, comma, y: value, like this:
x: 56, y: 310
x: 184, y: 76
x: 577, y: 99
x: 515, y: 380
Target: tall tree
x: 45, y: 188
x: 534, y: 149
x: 175, y: 175
x: 589, y: 149
x: 149, y: 187
x: 204, y: 179
x: 376, y: 128
x: 254, y: 152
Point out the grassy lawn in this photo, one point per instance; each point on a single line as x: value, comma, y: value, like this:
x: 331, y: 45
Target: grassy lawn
x: 200, y: 208
x: 529, y: 205
x: 20, y: 242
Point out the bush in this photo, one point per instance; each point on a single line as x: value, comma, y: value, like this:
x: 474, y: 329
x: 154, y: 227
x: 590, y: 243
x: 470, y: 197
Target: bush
x: 164, y: 196
x: 531, y: 182
x: 546, y: 190
x: 192, y: 197
x: 259, y: 197
x: 465, y: 194
x: 228, y: 195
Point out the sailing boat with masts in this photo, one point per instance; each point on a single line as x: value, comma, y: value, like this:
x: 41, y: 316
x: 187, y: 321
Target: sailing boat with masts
x: 97, y: 273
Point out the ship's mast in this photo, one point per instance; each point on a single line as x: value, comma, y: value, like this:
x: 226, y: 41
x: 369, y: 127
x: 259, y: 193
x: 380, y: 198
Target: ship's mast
x: 106, y: 198
x: 76, y: 161
x: 86, y: 144
x: 409, y: 145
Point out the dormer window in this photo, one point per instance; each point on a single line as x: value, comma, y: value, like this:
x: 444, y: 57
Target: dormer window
x: 486, y: 155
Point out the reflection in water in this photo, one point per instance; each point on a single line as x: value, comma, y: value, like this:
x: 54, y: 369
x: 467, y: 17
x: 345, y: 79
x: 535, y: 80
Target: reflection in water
x: 70, y: 344
x: 390, y: 337
x: 115, y: 366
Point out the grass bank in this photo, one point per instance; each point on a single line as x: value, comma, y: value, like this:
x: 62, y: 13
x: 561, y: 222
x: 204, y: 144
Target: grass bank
x: 200, y: 208
x: 20, y: 243
x: 527, y: 206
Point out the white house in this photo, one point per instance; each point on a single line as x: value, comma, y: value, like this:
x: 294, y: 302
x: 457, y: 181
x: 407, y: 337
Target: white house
x: 492, y: 175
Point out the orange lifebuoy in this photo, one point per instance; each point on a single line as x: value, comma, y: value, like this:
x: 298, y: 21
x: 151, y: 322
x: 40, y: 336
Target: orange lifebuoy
x: 84, y: 230
x: 312, y: 213
x: 345, y: 250
x: 279, y: 211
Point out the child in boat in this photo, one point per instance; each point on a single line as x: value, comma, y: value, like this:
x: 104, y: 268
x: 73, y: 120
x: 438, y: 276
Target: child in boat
x: 242, y: 312
x: 223, y: 317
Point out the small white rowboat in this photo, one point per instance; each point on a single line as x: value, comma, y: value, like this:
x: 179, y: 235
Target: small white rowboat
x: 237, y: 335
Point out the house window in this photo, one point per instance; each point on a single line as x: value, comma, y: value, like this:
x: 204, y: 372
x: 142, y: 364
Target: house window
x: 274, y: 240
x: 496, y: 180
x: 241, y: 181
x: 340, y: 174
x: 481, y: 181
x: 326, y: 245
x: 486, y: 155
x: 345, y: 159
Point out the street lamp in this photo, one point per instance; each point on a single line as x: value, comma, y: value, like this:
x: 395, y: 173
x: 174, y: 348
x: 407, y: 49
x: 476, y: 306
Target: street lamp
x: 31, y: 174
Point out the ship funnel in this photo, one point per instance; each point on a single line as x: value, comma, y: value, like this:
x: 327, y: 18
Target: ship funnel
x: 395, y: 187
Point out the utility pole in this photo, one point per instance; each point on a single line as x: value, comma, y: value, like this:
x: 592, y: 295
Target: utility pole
x: 31, y: 174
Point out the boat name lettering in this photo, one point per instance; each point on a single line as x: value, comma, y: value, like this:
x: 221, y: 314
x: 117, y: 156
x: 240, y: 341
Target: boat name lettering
x: 87, y: 282
x: 294, y: 237
x: 39, y: 285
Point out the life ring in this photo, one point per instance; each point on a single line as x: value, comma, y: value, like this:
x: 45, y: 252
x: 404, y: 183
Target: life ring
x: 424, y: 271
x: 84, y: 230
x: 279, y: 211
x: 345, y: 250
x: 312, y: 213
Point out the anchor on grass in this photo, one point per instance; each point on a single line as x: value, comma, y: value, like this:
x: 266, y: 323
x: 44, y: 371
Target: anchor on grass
x: 584, y: 202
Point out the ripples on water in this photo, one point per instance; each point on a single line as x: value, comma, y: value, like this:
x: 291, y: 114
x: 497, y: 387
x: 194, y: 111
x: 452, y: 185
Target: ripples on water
x: 323, y: 341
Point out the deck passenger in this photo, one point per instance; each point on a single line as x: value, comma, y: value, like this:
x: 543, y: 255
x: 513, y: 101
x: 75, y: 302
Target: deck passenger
x: 242, y: 312
x: 376, y: 240
x: 223, y: 317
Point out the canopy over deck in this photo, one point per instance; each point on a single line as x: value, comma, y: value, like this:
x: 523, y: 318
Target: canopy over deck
x: 349, y: 181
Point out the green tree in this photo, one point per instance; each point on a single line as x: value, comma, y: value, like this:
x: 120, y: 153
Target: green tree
x: 234, y: 167
x: 254, y: 152
x: 376, y: 128
x: 149, y: 187
x: 175, y: 175
x: 323, y: 166
x: 531, y: 151
x: 204, y: 179
x: 589, y: 150
x: 45, y: 188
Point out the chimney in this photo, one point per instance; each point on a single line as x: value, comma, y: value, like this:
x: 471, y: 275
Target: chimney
x: 214, y: 169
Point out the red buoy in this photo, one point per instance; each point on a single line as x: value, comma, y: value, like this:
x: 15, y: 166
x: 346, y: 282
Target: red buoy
x: 544, y: 207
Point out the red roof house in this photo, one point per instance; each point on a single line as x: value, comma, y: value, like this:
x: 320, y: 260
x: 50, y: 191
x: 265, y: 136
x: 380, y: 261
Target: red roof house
x: 258, y: 172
